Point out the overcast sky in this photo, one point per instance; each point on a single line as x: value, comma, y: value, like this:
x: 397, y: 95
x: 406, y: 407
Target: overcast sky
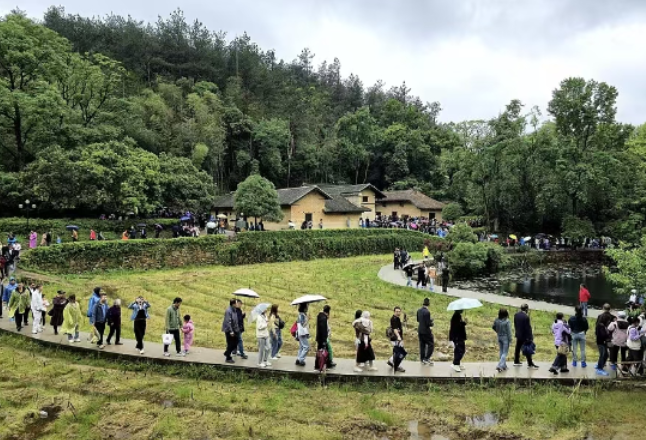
x: 473, y: 56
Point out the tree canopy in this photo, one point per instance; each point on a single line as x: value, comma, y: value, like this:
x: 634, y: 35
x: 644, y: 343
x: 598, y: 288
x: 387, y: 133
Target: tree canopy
x: 198, y: 113
x: 257, y: 197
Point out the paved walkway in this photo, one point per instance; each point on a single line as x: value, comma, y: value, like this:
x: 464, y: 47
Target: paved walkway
x: 415, y: 371
x: 388, y: 274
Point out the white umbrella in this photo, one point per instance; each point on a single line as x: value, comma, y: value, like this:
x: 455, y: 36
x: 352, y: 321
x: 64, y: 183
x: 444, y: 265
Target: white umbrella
x: 308, y: 299
x: 258, y: 310
x: 246, y: 292
x: 464, y: 304
x: 211, y: 225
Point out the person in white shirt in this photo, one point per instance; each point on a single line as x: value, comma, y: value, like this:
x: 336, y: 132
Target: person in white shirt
x: 37, y: 310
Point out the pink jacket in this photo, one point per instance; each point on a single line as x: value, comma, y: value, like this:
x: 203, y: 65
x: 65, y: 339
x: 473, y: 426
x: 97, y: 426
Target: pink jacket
x: 188, y: 329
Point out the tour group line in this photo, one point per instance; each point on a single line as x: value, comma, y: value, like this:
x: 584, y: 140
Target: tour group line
x: 285, y: 366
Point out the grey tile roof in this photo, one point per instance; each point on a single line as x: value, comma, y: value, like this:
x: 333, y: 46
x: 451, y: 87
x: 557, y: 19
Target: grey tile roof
x: 340, y: 205
x: 420, y: 200
x: 349, y: 189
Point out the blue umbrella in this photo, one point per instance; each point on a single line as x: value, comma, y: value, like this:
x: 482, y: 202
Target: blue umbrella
x: 185, y: 218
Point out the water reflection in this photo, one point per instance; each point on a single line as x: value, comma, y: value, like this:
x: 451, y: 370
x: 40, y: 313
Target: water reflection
x: 422, y: 431
x: 562, y: 286
x: 486, y: 420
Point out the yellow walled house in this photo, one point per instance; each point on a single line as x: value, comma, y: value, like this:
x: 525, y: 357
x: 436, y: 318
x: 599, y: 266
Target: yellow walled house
x: 363, y: 195
x: 409, y: 203
x: 305, y: 203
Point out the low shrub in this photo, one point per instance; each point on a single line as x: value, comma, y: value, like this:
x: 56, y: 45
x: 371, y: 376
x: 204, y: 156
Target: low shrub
x: 472, y: 259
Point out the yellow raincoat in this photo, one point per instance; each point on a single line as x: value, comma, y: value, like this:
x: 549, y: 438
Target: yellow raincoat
x: 71, y: 318
x: 19, y: 301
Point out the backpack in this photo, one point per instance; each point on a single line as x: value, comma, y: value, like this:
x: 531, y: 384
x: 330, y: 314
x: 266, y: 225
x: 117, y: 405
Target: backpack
x: 281, y: 324
x: 294, y: 329
x: 390, y: 334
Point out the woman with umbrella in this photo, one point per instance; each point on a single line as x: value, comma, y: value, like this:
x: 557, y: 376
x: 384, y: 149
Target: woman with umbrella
x: 458, y: 335
x: 303, y: 334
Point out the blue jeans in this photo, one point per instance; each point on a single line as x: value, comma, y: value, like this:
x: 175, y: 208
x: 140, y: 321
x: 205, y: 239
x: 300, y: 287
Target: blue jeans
x: 584, y: 308
x: 276, y: 342
x: 603, y: 356
x: 303, y: 348
x: 240, y: 344
x: 503, y: 346
x: 578, y: 340
x: 431, y: 282
x: 409, y: 282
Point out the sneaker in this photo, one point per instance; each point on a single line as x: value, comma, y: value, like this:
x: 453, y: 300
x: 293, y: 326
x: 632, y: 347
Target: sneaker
x: 181, y: 354
x: 34, y: 333
x: 278, y: 355
x: 118, y: 343
x: 230, y: 361
x: 518, y: 364
x: 361, y: 365
x: 373, y: 368
x: 553, y: 371
x: 141, y: 352
x: 426, y: 361
x: 268, y: 364
x: 357, y: 370
x: 109, y: 343
x: 77, y: 340
x: 262, y: 365
x: 574, y: 363
x: 70, y: 341
x: 243, y: 356
x: 613, y: 367
x: 564, y: 370
x: 583, y: 365
x: 499, y: 370
x: 390, y: 364
x: 430, y: 363
x: 274, y: 358
x: 400, y: 370
x: 602, y: 373
x: 101, y: 347
x: 462, y: 367
x: 533, y: 367
x: 456, y: 368
x: 167, y: 354
x: 332, y: 365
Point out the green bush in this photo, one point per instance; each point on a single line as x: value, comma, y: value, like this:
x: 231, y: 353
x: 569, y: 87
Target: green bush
x: 57, y: 227
x: 472, y: 259
x: 215, y: 249
x: 462, y: 233
x: 452, y: 212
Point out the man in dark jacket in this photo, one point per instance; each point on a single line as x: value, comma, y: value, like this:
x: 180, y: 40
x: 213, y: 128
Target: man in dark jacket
x: 114, y: 322
x: 606, y: 318
x: 425, y: 334
x: 524, y: 334
x: 241, y: 316
x: 231, y: 330
x: 100, y: 317
x: 323, y: 334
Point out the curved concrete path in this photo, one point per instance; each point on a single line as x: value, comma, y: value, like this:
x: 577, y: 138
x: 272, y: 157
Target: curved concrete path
x: 393, y: 276
x: 415, y: 371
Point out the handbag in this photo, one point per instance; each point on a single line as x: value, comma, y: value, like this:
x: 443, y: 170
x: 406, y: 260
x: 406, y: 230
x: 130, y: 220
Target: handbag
x: 167, y: 338
x: 528, y: 348
x: 563, y: 349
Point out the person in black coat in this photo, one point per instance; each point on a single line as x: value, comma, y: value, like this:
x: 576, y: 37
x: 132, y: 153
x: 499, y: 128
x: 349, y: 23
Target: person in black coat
x: 241, y: 316
x: 524, y: 334
x: 323, y: 334
x: 458, y: 335
x: 114, y: 321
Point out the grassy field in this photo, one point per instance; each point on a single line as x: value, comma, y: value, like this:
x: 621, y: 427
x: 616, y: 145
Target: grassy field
x: 95, y: 399
x: 349, y: 284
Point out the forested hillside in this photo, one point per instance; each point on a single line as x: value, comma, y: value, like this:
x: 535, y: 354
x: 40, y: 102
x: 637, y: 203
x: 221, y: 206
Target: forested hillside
x: 113, y: 114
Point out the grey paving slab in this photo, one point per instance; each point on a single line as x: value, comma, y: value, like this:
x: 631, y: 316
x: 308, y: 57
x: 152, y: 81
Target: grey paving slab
x: 415, y: 371
x: 390, y: 275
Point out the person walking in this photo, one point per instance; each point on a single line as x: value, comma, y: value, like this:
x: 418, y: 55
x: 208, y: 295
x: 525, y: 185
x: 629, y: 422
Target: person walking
x: 37, y: 308
x: 619, y: 338
x: 421, y: 275
x: 189, y: 330
x: 7, y: 291
x: 446, y: 274
x: 562, y: 337
x: 584, y: 297
x: 33, y: 240
x: 100, y: 317
x: 56, y: 313
x: 425, y: 333
x: 432, y: 273
x: 71, y: 320
x: 262, y: 335
x: 603, y: 338
x: 302, y: 334
x: 276, y: 326
x: 408, y: 270
x: 18, y: 304
x: 172, y: 324
x: 323, y: 332
x: 398, y: 333
x: 524, y: 335
x: 635, y: 353
x: 241, y: 316
x: 139, y: 317
x: 230, y: 329
x: 458, y: 335
x: 365, y: 354
x: 578, y: 324
x: 502, y: 327
x: 92, y: 302
x: 114, y: 322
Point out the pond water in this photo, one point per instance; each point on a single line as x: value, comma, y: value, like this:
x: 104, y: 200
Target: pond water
x: 562, y: 286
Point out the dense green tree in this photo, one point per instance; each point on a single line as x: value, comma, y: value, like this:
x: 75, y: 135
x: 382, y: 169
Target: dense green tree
x: 257, y: 197
x: 452, y: 211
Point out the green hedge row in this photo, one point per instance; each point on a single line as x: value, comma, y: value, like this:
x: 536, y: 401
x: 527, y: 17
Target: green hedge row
x: 324, y: 233
x: 19, y: 226
x: 214, y: 249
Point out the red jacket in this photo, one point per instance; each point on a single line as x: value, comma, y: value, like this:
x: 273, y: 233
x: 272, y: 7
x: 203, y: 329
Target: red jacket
x: 584, y: 295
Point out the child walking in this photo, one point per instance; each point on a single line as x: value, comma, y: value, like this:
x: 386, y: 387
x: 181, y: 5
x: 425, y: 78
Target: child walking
x: 188, y: 329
